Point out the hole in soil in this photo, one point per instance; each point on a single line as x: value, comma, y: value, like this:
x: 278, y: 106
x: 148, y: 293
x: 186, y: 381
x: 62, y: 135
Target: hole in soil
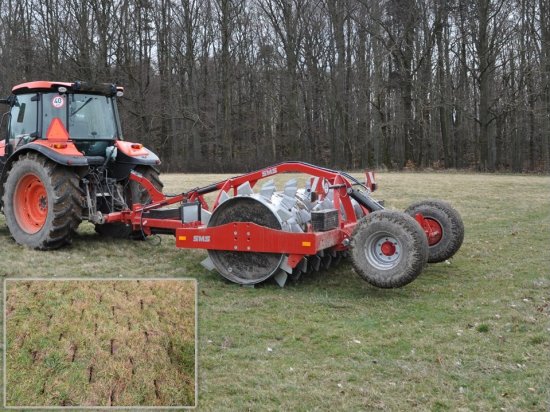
x: 28, y: 285
x: 127, y: 295
x: 112, y: 346
x: 100, y: 298
x: 64, y: 402
x: 170, y: 351
x: 34, y: 355
x: 141, y: 303
x: 146, y: 336
x: 95, y: 329
x: 112, y: 397
x: 129, y: 325
x: 90, y: 374
x: 74, y: 348
x: 43, y: 390
x: 50, y: 320
x: 132, y: 363
x: 60, y: 336
x: 34, y: 293
x: 23, y: 339
x: 156, y: 385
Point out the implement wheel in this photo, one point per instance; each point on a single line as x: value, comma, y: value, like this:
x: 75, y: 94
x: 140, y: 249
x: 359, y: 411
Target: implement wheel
x: 42, y: 202
x: 445, y: 226
x: 135, y: 193
x: 388, y: 249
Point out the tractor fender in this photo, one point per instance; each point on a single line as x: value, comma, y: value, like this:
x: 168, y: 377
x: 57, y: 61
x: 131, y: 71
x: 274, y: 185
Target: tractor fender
x: 66, y: 160
x: 135, y: 154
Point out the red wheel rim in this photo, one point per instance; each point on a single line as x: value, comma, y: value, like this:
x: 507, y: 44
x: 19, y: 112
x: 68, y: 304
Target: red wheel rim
x: 434, y: 231
x: 31, y: 203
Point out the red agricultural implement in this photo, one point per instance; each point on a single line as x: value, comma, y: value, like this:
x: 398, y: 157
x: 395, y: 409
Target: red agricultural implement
x: 54, y: 176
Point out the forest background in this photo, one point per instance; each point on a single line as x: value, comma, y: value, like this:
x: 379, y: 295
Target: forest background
x: 233, y: 85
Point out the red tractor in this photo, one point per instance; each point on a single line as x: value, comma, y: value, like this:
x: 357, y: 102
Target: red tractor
x: 63, y: 160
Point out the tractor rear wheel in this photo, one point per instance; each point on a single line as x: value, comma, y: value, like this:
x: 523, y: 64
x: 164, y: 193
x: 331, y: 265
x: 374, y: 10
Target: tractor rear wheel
x: 448, y: 226
x: 388, y: 249
x: 42, y: 202
x: 134, y: 193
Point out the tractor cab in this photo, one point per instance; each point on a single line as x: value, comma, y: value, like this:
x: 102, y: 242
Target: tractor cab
x: 84, y: 114
x: 74, y: 124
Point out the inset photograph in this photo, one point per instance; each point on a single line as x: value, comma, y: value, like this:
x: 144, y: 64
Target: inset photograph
x: 100, y: 342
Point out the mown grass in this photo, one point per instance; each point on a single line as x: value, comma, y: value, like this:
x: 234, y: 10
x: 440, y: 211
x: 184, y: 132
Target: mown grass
x: 470, y: 334
x: 100, y: 343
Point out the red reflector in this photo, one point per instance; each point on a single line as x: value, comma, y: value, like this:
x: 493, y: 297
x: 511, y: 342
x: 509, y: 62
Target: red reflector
x: 136, y: 146
x: 57, y: 131
x: 59, y: 145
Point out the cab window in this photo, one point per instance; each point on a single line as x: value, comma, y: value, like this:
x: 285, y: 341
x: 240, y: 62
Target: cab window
x: 23, y: 120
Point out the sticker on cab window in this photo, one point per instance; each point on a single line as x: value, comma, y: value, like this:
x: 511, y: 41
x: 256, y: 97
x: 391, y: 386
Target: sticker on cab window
x: 58, y: 102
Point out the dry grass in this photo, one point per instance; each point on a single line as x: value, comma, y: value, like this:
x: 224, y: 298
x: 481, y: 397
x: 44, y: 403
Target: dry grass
x: 473, y: 334
x: 100, y: 343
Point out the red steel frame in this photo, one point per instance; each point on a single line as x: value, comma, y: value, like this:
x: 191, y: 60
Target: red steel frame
x: 250, y: 237
x: 246, y: 236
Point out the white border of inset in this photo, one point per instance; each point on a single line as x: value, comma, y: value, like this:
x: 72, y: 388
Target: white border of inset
x: 55, y: 279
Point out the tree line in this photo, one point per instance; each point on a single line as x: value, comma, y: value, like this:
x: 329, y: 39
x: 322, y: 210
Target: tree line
x: 229, y: 85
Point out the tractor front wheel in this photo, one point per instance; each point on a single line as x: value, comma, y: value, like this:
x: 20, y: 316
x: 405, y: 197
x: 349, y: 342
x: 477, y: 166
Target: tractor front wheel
x: 388, y: 249
x: 445, y: 226
x: 42, y: 202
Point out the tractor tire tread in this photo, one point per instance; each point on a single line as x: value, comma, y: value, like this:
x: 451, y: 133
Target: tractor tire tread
x: 66, y: 204
x: 413, y: 242
x: 451, y: 222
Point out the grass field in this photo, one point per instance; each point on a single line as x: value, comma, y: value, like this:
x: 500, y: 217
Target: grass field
x: 100, y: 343
x: 470, y: 334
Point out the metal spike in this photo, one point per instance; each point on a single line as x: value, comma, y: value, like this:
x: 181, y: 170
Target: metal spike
x: 327, y: 204
x: 223, y: 197
x: 267, y: 189
x: 315, y: 262
x: 291, y: 187
x: 205, y: 216
x: 245, y: 189
x: 285, y: 266
x: 281, y: 278
x: 284, y: 214
x: 296, y: 276
x: 301, y: 267
x: 288, y: 202
x: 326, y: 261
x: 304, y: 216
x: 207, y: 264
x: 295, y: 227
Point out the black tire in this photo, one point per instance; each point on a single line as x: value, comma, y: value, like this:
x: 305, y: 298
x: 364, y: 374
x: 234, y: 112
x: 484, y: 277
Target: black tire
x: 135, y: 193
x: 56, y: 190
x: 388, y: 249
x: 451, y: 224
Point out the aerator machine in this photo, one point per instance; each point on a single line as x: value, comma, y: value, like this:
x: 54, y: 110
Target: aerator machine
x: 253, y: 232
